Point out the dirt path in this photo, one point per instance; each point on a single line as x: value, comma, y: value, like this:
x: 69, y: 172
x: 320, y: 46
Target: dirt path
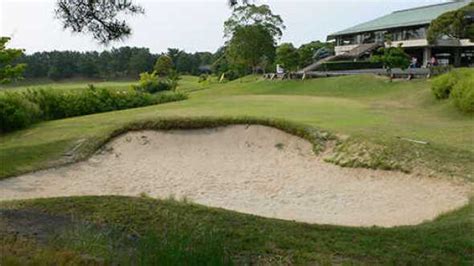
x: 256, y: 169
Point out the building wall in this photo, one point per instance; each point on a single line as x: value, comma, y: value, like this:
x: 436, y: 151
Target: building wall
x: 411, y: 44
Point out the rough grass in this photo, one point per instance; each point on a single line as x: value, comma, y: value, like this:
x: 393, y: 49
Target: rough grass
x: 251, y: 239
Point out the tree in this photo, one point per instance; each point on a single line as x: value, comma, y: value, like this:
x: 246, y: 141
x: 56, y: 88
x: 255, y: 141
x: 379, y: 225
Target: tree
x: 141, y: 60
x: 163, y: 65
x: 307, y: 51
x: 174, y: 53
x: 287, y: 55
x: 248, y: 15
x: 391, y: 57
x: 9, y: 70
x: 233, y: 3
x: 98, y: 17
x: 454, y: 24
x: 249, y: 44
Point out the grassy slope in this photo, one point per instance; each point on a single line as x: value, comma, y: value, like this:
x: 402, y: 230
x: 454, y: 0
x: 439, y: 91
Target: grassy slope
x: 366, y: 108
x: 446, y: 241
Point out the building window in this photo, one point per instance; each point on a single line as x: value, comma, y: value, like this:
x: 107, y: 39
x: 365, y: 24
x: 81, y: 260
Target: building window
x: 408, y: 34
x: 348, y: 40
x: 415, y: 34
x: 368, y: 37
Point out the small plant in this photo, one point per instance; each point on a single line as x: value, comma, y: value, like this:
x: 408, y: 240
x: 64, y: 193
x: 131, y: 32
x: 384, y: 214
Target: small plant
x: 173, y: 79
x: 203, y: 78
x: 280, y: 146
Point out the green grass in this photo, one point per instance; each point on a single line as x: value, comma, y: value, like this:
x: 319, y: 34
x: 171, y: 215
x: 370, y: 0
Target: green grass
x: 368, y: 114
x: 247, y: 238
x: 369, y: 109
x: 186, y: 83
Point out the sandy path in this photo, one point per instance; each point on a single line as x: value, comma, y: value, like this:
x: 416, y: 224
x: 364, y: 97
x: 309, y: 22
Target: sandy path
x: 255, y: 169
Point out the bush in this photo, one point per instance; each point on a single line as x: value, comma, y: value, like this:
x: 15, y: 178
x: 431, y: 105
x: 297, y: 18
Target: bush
x: 166, y: 97
x: 348, y: 65
x: 444, y: 84
x: 203, y: 78
x: 463, y: 95
x: 150, y: 83
x: 19, y: 110
x: 16, y: 112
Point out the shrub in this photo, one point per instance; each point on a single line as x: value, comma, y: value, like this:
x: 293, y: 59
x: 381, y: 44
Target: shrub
x: 19, y: 110
x: 166, y: 97
x: 443, y: 85
x: 348, y: 65
x: 203, y: 78
x: 16, y: 112
x: 150, y: 83
x: 463, y: 95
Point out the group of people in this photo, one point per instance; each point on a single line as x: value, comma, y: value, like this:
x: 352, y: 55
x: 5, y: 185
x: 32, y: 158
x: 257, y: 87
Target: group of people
x: 414, y: 62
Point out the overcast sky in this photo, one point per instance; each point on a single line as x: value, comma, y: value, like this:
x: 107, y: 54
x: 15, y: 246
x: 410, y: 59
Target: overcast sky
x: 192, y: 25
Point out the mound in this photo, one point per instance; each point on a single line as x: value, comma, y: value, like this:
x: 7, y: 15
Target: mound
x: 252, y: 169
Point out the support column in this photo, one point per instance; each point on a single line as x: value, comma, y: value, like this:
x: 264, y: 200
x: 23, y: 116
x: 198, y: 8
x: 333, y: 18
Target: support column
x: 426, y: 56
x: 457, y: 57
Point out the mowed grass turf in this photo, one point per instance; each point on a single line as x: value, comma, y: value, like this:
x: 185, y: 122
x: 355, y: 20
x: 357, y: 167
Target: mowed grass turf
x: 368, y: 109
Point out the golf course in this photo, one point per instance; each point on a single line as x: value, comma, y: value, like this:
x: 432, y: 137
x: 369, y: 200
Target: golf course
x: 352, y: 123
x: 236, y: 132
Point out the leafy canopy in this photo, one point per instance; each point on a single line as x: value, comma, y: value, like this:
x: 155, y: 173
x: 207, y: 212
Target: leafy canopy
x: 163, y: 65
x: 9, y: 71
x: 250, y: 44
x: 98, y: 17
x: 391, y: 57
x: 454, y: 24
x: 247, y: 15
x: 287, y: 55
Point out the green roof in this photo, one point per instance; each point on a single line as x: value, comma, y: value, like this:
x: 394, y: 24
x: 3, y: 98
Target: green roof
x: 403, y: 18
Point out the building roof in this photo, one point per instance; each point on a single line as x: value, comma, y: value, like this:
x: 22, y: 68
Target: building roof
x: 404, y: 18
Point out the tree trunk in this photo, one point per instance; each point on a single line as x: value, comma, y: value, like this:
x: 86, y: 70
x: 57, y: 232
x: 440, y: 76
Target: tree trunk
x: 390, y: 75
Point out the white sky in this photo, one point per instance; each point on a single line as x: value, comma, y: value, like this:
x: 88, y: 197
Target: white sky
x: 192, y: 25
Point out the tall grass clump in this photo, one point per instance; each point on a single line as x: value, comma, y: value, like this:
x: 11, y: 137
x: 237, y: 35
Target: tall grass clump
x: 115, y: 245
x: 19, y: 110
x: 182, y: 248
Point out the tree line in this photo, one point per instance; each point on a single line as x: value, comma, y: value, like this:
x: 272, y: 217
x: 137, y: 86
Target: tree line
x: 129, y: 62
x: 123, y: 62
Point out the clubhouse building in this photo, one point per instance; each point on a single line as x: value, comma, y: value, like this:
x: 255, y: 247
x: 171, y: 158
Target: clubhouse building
x: 409, y: 28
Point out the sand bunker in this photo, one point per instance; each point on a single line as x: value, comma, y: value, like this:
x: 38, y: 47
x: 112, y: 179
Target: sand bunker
x: 250, y: 169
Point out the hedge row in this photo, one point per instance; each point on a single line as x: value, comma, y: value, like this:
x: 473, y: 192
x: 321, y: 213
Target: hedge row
x: 348, y: 65
x: 21, y: 109
x: 457, y: 85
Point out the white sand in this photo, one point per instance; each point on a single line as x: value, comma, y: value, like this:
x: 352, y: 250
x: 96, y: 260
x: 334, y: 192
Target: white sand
x: 242, y: 168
